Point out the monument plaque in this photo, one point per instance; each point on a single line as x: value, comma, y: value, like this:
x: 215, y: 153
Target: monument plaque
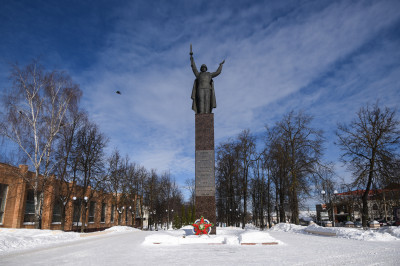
x: 205, y: 177
x: 203, y: 97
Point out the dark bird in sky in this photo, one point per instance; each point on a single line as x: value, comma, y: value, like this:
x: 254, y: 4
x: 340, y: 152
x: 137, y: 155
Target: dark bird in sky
x: 118, y: 92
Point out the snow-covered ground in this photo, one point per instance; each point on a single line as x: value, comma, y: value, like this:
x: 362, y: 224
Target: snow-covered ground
x: 21, y: 239
x: 292, y: 245
x: 387, y: 233
x: 225, y: 236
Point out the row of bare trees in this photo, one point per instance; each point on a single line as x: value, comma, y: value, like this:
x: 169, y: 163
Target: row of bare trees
x: 288, y: 168
x: 275, y: 179
x: 42, y: 117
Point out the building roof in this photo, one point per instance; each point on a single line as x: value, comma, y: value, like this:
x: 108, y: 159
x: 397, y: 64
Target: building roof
x: 389, y: 188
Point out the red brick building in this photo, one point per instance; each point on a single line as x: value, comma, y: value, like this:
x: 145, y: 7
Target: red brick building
x: 102, y: 210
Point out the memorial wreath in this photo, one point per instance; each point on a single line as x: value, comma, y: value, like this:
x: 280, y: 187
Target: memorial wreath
x: 202, y: 226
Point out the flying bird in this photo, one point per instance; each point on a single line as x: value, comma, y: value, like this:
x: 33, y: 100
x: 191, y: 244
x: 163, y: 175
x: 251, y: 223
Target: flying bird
x: 118, y: 92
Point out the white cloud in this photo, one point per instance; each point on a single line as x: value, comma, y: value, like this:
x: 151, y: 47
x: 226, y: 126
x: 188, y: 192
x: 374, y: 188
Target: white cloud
x: 269, y: 58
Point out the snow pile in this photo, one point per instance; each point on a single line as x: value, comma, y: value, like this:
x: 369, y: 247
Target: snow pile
x: 390, y: 233
x: 120, y: 228
x: 314, y: 228
x: 18, y: 239
x: 178, y: 237
x: 163, y: 238
x: 12, y: 239
x: 234, y: 231
x: 187, y: 227
x: 225, y: 235
x: 382, y: 234
x: 250, y: 226
x: 286, y: 227
x: 257, y: 237
x: 393, y: 230
x: 231, y: 234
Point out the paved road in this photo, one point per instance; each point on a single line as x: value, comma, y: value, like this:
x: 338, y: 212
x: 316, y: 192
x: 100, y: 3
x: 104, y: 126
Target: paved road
x: 126, y: 249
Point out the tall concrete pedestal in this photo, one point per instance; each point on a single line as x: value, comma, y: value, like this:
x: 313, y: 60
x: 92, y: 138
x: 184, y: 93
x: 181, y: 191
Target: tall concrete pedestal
x: 205, y: 168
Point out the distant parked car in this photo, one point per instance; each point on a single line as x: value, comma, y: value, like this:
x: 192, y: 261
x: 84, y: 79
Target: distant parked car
x: 357, y: 224
x: 383, y: 222
x: 340, y: 224
x: 391, y: 223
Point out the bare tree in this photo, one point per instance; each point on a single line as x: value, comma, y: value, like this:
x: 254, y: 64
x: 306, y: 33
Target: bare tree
x: 89, y: 156
x: 170, y: 197
x: 117, y: 181
x: 299, y: 150
x: 65, y: 167
x: 228, y: 185
x: 370, y: 146
x: 261, y: 190
x: 151, y: 197
x: 278, y: 169
x: 141, y: 178
x: 132, y: 189
x: 190, y: 185
x: 325, y: 180
x: 246, y: 148
x: 35, y: 111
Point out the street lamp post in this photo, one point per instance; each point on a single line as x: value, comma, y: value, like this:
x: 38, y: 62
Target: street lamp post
x: 238, y: 216
x: 154, y: 219
x: 85, y: 203
x: 323, y: 196
x: 168, y: 212
x: 132, y: 212
x: 172, y: 211
x: 230, y: 217
x: 76, y: 223
x: 332, y: 204
x: 335, y: 192
x: 120, y: 211
x: 150, y: 220
x: 167, y: 218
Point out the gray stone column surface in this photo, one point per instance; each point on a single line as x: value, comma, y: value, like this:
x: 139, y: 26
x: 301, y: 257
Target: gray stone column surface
x: 205, y: 168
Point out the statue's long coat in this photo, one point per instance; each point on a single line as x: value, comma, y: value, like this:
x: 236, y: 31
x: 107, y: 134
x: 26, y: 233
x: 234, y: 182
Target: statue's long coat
x: 194, y: 93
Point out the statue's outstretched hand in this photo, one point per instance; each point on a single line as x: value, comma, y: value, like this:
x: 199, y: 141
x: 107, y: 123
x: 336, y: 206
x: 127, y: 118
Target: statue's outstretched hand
x: 222, y: 62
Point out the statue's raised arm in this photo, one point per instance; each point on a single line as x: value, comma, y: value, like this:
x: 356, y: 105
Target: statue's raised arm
x: 216, y: 73
x: 192, y: 63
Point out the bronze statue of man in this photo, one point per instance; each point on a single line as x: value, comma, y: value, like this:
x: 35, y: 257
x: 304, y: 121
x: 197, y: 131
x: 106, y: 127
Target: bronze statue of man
x: 203, y: 94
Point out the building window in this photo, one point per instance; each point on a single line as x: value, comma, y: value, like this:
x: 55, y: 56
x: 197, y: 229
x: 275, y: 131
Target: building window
x: 3, y: 196
x: 29, y: 216
x: 103, y: 213
x: 112, y: 213
x: 77, y: 212
x: 57, y: 207
x: 126, y: 216
x: 92, y: 206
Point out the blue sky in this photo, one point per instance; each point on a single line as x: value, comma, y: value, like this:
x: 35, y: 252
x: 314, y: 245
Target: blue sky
x: 327, y: 58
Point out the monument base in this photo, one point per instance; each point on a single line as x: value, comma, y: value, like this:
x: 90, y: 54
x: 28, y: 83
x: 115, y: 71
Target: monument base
x: 205, y: 206
x: 205, y: 172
